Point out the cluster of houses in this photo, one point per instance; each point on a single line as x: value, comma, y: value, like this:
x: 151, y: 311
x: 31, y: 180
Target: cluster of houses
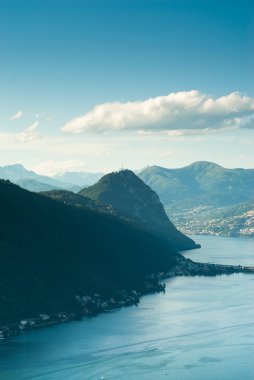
x: 89, y: 305
x: 187, y: 267
x: 30, y: 323
x: 208, y: 220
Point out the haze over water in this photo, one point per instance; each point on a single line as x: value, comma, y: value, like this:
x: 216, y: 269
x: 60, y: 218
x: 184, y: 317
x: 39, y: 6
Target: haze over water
x: 202, y: 327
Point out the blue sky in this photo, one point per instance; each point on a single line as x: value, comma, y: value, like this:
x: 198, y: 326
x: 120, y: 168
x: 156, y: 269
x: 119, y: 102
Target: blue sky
x: 62, y: 58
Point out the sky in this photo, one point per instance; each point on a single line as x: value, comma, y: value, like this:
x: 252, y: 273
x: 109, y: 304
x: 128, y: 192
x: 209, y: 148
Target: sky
x: 94, y: 85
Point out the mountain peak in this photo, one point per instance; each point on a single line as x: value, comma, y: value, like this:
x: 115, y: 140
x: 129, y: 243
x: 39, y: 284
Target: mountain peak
x: 121, y: 175
x: 200, y: 180
x: 132, y: 198
x: 14, y: 172
x: 14, y: 166
x: 204, y: 165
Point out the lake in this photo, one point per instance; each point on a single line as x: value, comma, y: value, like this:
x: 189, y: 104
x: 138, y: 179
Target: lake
x: 201, y: 328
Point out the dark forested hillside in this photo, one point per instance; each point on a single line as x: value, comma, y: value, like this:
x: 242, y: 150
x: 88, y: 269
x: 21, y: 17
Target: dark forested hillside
x: 50, y: 252
x: 79, y: 201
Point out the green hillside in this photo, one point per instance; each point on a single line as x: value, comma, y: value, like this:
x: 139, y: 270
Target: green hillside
x: 200, y: 197
x: 200, y: 183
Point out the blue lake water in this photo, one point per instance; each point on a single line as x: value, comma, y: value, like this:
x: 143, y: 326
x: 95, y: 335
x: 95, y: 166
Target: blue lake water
x: 201, y: 328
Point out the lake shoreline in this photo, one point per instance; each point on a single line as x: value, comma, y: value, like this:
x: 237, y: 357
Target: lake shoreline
x: 92, y: 306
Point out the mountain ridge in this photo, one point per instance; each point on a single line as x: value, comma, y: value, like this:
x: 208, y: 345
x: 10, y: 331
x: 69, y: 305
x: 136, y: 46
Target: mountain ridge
x: 17, y: 172
x: 199, y: 178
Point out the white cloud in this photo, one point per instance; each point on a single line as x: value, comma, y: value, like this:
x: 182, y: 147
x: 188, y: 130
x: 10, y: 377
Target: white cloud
x: 180, y: 110
x: 17, y: 115
x: 29, y: 134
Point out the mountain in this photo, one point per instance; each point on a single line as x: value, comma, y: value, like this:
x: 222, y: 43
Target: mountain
x: 17, y: 172
x: 51, y: 254
x: 81, y: 179
x: 202, y: 182
x: 30, y: 180
x: 131, y: 197
x: 199, y: 198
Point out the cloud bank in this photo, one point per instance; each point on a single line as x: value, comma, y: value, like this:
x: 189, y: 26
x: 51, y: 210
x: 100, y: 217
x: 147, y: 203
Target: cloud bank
x: 186, y: 110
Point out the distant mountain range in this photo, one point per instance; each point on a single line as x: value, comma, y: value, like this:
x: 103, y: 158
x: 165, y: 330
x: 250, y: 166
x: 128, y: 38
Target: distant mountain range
x: 200, y: 198
x: 191, y: 195
x: 31, y: 181
x: 201, y: 183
